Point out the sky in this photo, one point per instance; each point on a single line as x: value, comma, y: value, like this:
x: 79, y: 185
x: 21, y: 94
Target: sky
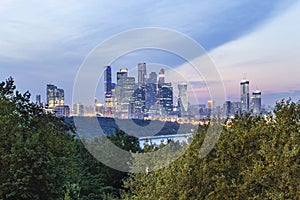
x: 47, y: 41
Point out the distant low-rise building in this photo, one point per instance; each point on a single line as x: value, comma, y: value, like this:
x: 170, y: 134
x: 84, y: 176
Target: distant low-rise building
x: 62, y: 111
x: 78, y: 110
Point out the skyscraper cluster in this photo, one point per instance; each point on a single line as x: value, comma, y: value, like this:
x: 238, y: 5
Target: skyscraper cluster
x: 254, y: 105
x: 149, y: 96
x: 55, y: 96
x: 247, y: 103
x: 55, y: 101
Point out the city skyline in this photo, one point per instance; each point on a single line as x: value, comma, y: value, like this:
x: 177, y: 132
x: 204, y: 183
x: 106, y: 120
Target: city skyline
x: 50, y: 43
x: 150, y: 97
x: 55, y: 96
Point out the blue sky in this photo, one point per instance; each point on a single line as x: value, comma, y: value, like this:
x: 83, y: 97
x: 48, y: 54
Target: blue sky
x: 46, y: 41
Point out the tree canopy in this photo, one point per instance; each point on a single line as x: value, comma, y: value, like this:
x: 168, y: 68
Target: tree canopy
x: 255, y: 157
x: 35, y: 152
x: 41, y: 159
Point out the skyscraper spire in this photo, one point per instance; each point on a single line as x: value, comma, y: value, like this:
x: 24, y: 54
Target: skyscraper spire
x: 108, y: 90
x: 142, y: 74
x: 245, y: 95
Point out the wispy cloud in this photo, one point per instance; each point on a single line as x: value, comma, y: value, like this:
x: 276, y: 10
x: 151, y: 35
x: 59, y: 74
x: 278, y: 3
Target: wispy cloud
x: 55, y: 36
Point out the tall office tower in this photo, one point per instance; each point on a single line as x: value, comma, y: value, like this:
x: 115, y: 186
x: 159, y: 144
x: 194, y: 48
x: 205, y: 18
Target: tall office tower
x: 124, y: 94
x: 123, y: 73
x: 152, y: 78
x: 256, y: 102
x: 55, y: 96
x: 228, y: 108
x: 60, y: 97
x: 108, y: 90
x: 51, y: 93
x: 151, y: 90
x: 114, y: 98
x: 142, y: 74
x: 161, y: 76
x: 38, y: 100
x: 139, y: 102
x: 183, y: 99
x: 166, y: 97
x: 107, y: 79
x: 245, y: 95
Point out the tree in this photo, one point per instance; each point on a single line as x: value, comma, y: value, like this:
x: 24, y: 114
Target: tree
x: 41, y: 159
x: 256, y: 157
x: 95, y: 179
x: 35, y: 148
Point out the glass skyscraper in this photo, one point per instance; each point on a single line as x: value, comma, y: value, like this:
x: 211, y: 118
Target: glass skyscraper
x: 245, y: 96
x: 142, y: 74
x: 161, y: 76
x: 124, y: 94
x: 256, y: 102
x: 151, y: 90
x: 166, y: 97
x: 108, y: 90
x: 123, y: 73
x: 107, y: 79
x: 183, y: 99
x: 55, y: 96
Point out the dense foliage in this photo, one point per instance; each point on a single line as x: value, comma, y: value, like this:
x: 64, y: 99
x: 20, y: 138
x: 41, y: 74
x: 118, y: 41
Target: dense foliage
x: 35, y: 153
x: 41, y: 159
x: 255, y: 158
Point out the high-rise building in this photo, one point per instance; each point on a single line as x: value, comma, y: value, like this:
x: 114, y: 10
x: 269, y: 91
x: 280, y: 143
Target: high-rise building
x: 107, y: 79
x: 151, y: 90
x: 245, y: 96
x: 161, y: 76
x: 51, y: 95
x: 123, y: 73
x: 152, y: 78
x: 55, y: 96
x: 114, y: 98
x: 210, y: 107
x: 256, y: 102
x: 38, y: 100
x: 228, y: 108
x: 166, y: 97
x: 151, y: 95
x: 183, y: 99
x: 124, y: 94
x: 108, y: 90
x: 60, y: 97
x: 142, y: 74
x: 139, y: 102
